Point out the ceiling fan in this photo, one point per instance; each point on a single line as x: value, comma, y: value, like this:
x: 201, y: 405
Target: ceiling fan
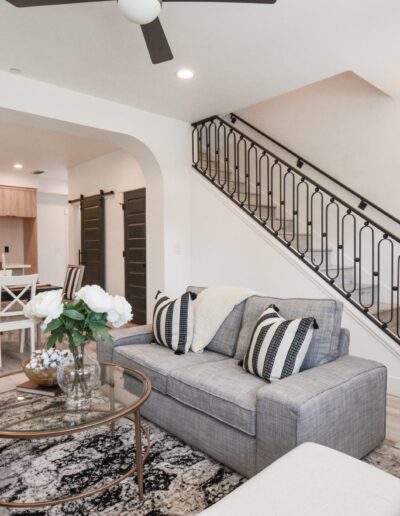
x: 144, y: 13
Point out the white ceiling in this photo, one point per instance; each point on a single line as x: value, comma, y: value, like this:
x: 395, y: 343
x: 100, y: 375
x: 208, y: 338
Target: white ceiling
x: 241, y: 54
x: 40, y: 149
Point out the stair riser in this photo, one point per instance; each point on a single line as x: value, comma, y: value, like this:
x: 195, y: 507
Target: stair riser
x: 346, y: 275
x: 366, y: 295
x: 249, y: 196
x: 276, y: 224
x: 299, y: 243
x: 265, y: 211
x: 319, y: 256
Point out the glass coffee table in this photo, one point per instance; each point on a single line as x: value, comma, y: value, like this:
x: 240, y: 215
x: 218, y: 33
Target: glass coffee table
x: 120, y: 394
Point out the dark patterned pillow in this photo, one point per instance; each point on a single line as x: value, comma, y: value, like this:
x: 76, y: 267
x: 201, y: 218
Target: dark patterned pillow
x: 173, y: 321
x: 278, y: 347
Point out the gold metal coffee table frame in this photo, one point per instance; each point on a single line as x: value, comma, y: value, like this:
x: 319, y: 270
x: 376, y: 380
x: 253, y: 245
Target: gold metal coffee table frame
x: 124, y: 413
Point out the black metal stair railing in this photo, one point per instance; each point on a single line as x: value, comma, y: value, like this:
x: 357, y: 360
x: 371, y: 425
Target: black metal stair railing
x: 362, y: 200
x: 358, y: 257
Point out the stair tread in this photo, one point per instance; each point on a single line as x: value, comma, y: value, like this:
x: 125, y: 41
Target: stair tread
x: 334, y: 267
x: 358, y: 287
x: 384, y: 307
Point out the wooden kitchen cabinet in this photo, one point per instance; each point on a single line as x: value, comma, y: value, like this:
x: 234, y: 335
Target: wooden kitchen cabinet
x: 17, y: 202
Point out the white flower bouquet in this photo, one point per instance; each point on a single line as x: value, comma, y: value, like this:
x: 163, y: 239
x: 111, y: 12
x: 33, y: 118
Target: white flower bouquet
x: 85, y: 319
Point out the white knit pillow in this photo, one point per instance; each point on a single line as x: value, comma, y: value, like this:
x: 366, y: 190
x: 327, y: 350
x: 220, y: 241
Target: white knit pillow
x: 211, y: 308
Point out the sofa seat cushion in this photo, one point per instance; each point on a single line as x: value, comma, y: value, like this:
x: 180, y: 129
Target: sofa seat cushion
x: 220, y: 389
x: 158, y: 362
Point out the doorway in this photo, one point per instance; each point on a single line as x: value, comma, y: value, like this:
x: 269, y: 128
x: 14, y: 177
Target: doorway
x: 92, y: 252
x: 135, y: 252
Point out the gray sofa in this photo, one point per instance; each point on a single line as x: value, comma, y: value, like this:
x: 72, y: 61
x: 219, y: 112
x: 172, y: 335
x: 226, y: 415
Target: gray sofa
x: 211, y: 403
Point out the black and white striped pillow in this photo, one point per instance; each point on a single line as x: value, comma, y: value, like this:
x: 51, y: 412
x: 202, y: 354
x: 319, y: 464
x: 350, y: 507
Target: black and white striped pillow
x: 278, y: 347
x: 173, y: 321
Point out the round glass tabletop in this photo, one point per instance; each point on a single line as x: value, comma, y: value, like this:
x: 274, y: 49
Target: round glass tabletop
x: 121, y: 391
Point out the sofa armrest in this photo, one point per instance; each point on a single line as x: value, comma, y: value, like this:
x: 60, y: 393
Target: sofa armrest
x: 124, y: 337
x: 341, y: 405
x: 134, y: 335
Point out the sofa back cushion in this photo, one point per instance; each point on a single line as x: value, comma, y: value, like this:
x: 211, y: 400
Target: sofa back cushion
x: 226, y: 338
x: 324, y: 346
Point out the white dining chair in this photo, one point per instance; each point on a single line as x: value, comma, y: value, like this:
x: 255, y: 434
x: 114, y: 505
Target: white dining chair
x: 15, y: 291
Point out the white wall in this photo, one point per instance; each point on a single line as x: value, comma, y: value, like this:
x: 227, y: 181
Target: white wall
x: 118, y: 171
x: 52, y: 223
x: 228, y: 248
x: 43, y: 183
x: 345, y: 126
x: 12, y: 235
x: 52, y: 202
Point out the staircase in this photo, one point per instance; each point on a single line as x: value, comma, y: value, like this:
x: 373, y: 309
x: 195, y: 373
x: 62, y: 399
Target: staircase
x: 324, y: 225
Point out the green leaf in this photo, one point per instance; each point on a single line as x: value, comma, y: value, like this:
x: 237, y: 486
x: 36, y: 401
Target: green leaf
x: 77, y: 339
x: 53, y: 325
x: 51, y: 341
x: 73, y: 314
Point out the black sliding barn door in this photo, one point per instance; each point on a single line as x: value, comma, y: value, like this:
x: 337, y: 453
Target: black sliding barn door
x: 92, y: 252
x: 135, y: 252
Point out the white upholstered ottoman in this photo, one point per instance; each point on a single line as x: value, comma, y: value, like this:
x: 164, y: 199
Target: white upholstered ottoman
x: 313, y: 480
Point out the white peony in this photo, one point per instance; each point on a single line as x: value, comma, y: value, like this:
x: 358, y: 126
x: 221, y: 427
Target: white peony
x: 120, y: 312
x: 45, y: 306
x: 96, y: 298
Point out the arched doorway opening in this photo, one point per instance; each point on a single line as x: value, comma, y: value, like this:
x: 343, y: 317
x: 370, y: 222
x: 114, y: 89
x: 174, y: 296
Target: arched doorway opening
x: 153, y: 180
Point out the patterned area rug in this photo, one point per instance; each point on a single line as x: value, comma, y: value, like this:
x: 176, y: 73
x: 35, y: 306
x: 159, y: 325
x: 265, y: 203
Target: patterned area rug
x: 178, y: 480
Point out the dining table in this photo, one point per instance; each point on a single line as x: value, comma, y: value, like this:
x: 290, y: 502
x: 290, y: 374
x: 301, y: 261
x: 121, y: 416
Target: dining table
x: 40, y: 287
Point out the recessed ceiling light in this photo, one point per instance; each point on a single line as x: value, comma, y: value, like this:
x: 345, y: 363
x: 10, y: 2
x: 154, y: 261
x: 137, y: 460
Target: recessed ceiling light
x: 185, y: 74
x: 18, y: 165
x: 16, y: 71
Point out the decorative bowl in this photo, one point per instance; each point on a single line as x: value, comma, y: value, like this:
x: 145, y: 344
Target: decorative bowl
x: 45, y: 376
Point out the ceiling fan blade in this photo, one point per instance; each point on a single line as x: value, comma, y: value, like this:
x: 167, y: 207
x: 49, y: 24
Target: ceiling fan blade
x: 38, y: 3
x: 228, y: 1
x: 156, y: 42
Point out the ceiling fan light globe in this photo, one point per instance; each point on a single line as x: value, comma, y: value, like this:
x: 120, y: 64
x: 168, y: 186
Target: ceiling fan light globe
x: 140, y: 11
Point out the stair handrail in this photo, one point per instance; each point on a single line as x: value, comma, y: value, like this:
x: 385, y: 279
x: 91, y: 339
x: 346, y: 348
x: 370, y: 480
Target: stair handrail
x: 302, y: 174
x: 364, y: 201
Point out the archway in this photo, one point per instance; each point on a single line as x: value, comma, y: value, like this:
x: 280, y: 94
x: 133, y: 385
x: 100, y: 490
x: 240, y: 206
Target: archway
x: 153, y: 179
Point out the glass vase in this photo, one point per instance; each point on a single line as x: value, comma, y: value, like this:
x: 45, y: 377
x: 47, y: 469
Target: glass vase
x: 77, y: 375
